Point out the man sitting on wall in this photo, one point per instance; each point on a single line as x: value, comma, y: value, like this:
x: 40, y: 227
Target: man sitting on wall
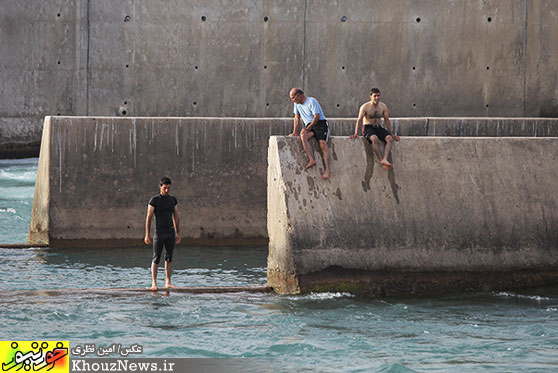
x: 309, y: 109
x: 372, y: 113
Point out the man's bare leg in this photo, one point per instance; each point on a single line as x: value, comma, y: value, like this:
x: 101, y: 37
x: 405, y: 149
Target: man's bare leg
x: 307, y: 148
x: 168, y: 272
x: 325, y: 152
x: 384, y: 162
x: 374, y: 144
x: 154, y: 269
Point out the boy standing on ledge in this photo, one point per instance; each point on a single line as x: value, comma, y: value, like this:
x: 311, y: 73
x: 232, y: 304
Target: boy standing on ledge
x: 372, y: 113
x: 309, y: 109
x: 167, y: 230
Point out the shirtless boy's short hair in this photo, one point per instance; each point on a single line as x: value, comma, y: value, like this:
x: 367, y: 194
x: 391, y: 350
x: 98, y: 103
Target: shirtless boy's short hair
x: 374, y: 90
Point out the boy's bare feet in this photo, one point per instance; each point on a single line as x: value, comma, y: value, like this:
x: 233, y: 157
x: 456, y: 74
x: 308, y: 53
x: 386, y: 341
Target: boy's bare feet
x: 311, y: 164
x: 385, y: 164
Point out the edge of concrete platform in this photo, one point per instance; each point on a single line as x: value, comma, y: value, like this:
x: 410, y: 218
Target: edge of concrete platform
x: 20, y: 245
x: 163, y: 291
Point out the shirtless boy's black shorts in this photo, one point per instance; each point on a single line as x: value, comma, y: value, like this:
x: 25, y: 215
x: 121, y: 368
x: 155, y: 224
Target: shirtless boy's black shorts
x: 321, y: 130
x: 375, y: 129
x: 160, y: 240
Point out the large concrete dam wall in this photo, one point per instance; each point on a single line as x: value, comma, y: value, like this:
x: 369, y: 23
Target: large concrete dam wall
x: 453, y: 214
x: 239, y: 59
x: 96, y: 175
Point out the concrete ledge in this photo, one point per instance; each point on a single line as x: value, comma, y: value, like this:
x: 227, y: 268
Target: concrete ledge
x: 20, y: 150
x: 391, y: 283
x: 459, y: 206
x: 126, y: 291
x: 20, y: 137
x: 22, y: 140
x: 19, y: 246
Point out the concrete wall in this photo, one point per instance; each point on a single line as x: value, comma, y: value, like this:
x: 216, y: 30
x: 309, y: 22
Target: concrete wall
x: 96, y: 174
x: 239, y: 58
x: 453, y: 214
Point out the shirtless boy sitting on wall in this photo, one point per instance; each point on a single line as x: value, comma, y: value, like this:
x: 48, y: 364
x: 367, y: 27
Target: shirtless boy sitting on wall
x: 372, y: 113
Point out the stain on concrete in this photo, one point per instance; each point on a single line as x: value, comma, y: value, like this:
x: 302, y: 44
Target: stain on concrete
x: 378, y: 284
x: 333, y: 153
x: 338, y: 194
x: 394, y: 187
x: 369, y: 172
x: 292, y: 190
x: 310, y: 182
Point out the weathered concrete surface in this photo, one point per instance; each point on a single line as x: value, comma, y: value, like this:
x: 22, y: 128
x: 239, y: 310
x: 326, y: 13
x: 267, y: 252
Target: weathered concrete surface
x: 111, y: 166
x: 453, y: 214
x: 200, y: 58
x: 96, y: 175
x: 42, y: 56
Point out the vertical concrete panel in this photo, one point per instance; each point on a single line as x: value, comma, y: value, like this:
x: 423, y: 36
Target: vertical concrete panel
x: 38, y: 56
x: 37, y: 63
x: 282, y: 54
x: 110, y: 55
x: 81, y: 84
x: 196, y: 58
x: 400, y: 47
x: 352, y: 46
x: 542, y: 76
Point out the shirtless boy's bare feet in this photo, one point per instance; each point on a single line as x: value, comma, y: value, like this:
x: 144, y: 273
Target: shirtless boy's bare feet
x: 385, y: 164
x: 311, y: 164
x: 325, y: 175
x: 169, y: 286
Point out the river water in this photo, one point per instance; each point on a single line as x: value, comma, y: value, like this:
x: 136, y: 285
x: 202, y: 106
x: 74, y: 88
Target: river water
x: 324, y: 332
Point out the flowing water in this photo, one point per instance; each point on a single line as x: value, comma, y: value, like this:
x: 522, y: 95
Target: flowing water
x: 324, y: 332
x: 17, y: 184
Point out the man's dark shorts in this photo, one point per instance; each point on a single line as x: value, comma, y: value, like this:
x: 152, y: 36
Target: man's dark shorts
x: 159, y: 240
x: 375, y: 129
x: 321, y: 130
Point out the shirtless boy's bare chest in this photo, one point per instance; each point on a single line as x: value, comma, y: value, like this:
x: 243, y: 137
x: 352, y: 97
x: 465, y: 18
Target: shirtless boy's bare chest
x: 373, y: 114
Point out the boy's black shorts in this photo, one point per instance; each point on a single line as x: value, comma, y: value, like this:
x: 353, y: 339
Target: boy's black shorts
x: 375, y: 129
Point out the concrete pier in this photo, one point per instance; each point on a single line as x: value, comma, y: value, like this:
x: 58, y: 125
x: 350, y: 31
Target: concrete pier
x: 96, y: 174
x: 453, y: 214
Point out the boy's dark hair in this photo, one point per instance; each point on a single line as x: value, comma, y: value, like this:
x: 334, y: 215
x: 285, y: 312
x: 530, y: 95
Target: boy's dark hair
x: 374, y: 90
x: 165, y: 181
